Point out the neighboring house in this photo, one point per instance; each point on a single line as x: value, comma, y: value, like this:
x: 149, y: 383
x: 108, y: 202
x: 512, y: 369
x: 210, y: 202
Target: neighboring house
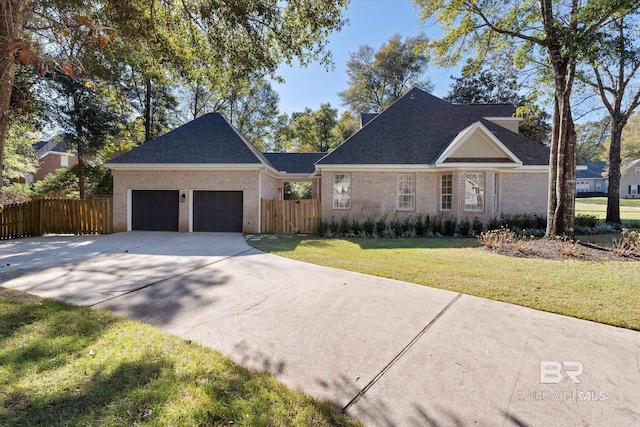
x: 420, y: 156
x: 630, y: 180
x: 51, y: 155
x: 592, y: 179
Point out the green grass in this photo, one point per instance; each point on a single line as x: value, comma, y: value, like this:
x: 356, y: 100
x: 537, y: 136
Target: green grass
x: 62, y: 365
x: 606, y: 292
x: 629, y: 208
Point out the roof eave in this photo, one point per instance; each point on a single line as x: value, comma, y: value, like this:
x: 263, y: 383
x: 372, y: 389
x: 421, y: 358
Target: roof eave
x: 185, y: 166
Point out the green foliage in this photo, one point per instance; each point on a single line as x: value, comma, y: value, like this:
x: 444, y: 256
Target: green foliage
x: 584, y: 220
x: 449, y: 226
x: 378, y: 78
x: 496, y: 85
x: 631, y: 139
x: 464, y: 227
x: 19, y: 156
x: 14, y: 193
x: 311, y: 131
x: 63, y: 184
x: 477, y: 226
x: 592, y: 141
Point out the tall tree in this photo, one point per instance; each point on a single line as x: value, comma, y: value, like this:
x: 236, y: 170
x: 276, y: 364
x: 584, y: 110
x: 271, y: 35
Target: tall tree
x: 227, y: 39
x: 312, y: 131
x: 254, y: 112
x: 378, y: 78
x: 496, y: 85
x: 87, y: 119
x: 614, y: 65
x: 557, y: 32
x: 591, y: 140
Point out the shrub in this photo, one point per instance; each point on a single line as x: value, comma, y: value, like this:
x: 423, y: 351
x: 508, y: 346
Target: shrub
x: 369, y: 226
x: 585, y: 220
x: 437, y: 226
x: 628, y: 244
x: 464, y: 227
x: 494, y: 223
x: 15, y: 193
x: 428, y: 225
x: 345, y: 225
x: 450, y: 226
x: 497, y: 238
x: 381, y: 225
x: 355, y: 226
x: 477, y: 226
x: 419, y: 225
x: 396, y: 226
x: 334, y: 227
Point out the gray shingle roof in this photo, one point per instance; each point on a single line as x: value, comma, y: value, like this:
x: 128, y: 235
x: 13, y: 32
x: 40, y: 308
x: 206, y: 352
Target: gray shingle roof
x: 418, y: 127
x: 299, y: 163
x: 207, y: 139
x: 594, y: 170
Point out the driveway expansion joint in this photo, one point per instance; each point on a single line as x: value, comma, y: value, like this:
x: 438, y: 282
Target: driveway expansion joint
x: 164, y: 279
x: 399, y: 355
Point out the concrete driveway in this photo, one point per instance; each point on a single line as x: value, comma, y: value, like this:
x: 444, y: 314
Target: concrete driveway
x: 388, y: 352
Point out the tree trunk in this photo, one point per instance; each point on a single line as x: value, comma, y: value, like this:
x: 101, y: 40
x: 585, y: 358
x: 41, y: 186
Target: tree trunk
x: 13, y: 16
x: 613, y: 195
x: 562, y: 161
x: 147, y: 111
x: 81, y: 175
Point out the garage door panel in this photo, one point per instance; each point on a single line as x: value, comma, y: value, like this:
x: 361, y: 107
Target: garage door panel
x: 217, y: 211
x: 154, y: 210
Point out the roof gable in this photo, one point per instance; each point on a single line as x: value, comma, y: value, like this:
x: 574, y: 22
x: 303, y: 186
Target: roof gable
x: 419, y: 127
x: 477, y: 143
x: 209, y: 139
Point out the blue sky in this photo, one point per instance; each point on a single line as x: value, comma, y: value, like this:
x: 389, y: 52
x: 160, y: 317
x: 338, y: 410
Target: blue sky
x: 371, y: 22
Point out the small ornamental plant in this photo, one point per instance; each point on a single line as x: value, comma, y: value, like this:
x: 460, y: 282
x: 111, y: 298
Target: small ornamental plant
x: 628, y: 245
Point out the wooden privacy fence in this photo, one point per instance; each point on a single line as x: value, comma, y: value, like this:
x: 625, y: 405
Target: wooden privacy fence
x: 290, y: 216
x: 39, y: 217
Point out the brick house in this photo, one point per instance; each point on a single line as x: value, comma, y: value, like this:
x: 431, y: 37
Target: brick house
x: 52, y: 155
x: 420, y: 156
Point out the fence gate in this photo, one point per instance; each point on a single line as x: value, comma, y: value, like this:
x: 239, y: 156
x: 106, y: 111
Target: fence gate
x: 290, y: 216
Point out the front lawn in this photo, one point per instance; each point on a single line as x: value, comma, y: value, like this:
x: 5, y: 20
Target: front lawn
x: 629, y: 208
x: 62, y: 365
x: 606, y: 292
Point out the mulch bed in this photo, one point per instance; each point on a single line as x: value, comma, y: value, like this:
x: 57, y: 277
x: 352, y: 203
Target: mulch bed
x: 558, y: 250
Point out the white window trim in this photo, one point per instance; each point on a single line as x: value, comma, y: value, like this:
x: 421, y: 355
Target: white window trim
x: 333, y: 183
x: 446, y: 194
x: 412, y: 194
x: 484, y: 195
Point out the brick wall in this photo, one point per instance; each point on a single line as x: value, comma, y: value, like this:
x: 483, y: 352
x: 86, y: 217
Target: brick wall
x: 374, y: 194
x: 51, y: 163
x: 184, y: 181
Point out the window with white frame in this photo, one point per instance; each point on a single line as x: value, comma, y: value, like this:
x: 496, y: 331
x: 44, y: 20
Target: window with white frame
x: 406, y: 191
x: 341, y: 190
x: 474, y: 192
x: 64, y: 161
x: 582, y: 186
x: 446, y: 191
x: 637, y: 170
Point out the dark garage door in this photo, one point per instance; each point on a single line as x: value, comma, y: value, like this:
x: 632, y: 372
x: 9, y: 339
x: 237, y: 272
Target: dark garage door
x: 217, y: 211
x: 154, y: 210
